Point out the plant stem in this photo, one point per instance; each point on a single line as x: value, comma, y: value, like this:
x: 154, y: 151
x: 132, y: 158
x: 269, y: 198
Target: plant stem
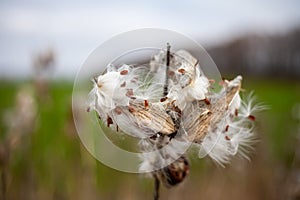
x: 156, y: 187
x: 167, y: 70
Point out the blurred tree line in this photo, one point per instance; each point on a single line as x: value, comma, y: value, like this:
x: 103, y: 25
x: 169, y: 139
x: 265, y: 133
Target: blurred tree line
x: 260, y: 55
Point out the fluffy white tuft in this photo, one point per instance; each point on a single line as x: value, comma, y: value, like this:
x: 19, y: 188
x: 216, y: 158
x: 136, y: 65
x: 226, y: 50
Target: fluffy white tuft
x: 234, y: 135
x: 195, y: 90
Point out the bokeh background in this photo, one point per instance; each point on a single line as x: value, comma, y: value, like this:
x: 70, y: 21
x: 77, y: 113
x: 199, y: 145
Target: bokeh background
x: 43, y: 43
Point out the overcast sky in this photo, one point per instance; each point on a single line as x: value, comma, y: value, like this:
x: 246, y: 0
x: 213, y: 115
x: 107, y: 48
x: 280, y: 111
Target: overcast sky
x: 74, y: 28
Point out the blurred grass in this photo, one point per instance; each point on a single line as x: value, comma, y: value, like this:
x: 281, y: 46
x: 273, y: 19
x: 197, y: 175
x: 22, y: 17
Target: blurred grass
x: 52, y: 160
x: 278, y: 123
x: 52, y: 163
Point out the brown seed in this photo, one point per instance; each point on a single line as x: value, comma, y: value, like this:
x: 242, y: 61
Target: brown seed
x: 109, y: 121
x: 123, y: 84
x: 236, y: 112
x: 146, y: 103
x: 153, y: 137
x: 251, y: 117
x: 131, y: 109
x: 227, y: 138
x: 226, y: 129
x: 124, y: 72
x: 182, y: 71
x: 207, y: 102
x: 163, y: 99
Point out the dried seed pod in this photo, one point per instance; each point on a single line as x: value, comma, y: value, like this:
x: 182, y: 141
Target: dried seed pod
x: 209, y: 115
x: 174, y: 173
x: 153, y: 116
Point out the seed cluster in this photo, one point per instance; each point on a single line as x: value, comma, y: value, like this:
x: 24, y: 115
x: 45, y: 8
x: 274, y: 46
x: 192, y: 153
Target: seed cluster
x: 133, y: 99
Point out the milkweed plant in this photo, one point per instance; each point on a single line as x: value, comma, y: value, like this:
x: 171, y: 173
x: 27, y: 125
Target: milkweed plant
x: 169, y: 104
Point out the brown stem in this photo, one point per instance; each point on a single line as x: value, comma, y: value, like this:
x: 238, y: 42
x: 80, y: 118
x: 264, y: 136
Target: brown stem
x: 156, y: 187
x: 167, y: 69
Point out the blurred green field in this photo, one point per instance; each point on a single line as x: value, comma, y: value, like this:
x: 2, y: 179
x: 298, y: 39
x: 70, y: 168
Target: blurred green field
x: 51, y: 163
